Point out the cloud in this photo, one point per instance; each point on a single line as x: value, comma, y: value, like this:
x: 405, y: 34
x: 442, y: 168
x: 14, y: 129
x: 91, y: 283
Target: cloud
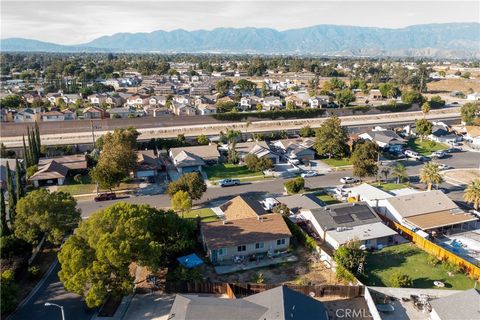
x: 74, y: 22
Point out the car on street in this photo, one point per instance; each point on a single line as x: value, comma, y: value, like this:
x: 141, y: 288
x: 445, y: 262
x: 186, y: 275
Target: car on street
x: 228, y: 182
x: 443, y: 166
x: 453, y: 150
x: 105, y: 197
x: 412, y: 155
x: 346, y: 180
x: 309, y: 174
x: 438, y: 154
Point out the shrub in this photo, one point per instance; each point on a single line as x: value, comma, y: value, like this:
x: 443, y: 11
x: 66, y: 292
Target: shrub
x: 11, y: 246
x: 452, y: 267
x: 294, y: 185
x: 400, y: 280
x: 31, y: 170
x: 184, y: 274
x: 78, y: 178
x: 276, y: 114
x: 433, y: 260
x: 301, y: 236
x: 343, y: 274
x: 9, y: 291
x: 34, y: 272
x: 258, y: 278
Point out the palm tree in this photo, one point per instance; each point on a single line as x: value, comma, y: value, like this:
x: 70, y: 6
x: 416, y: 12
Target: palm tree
x: 247, y: 124
x: 430, y: 174
x: 472, y: 194
x: 425, y: 108
x: 400, y: 172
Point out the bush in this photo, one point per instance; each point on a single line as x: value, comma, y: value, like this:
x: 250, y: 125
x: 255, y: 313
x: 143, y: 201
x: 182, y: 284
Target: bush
x: 34, y: 272
x: 294, y: 185
x: 302, y: 238
x: 9, y: 291
x: 258, y: 278
x: 78, y: 178
x: 343, y: 274
x: 452, y: 267
x: 397, y: 107
x: 31, y: 170
x: 276, y: 114
x: 184, y: 274
x: 11, y: 246
x: 400, y: 280
x: 433, y: 260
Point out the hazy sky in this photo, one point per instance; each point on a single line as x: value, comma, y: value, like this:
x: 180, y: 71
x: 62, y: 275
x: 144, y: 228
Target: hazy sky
x: 74, y: 22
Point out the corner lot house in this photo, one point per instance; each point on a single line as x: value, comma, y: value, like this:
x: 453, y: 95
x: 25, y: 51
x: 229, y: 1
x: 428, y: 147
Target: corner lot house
x: 340, y: 223
x: 427, y: 211
x: 280, y: 303
x: 189, y: 159
x: 248, y: 230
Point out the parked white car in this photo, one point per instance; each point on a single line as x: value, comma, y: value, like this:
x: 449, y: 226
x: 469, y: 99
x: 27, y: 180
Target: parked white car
x: 443, y: 166
x: 294, y: 161
x: 413, y: 155
x: 438, y: 154
x: 346, y: 180
x: 308, y: 174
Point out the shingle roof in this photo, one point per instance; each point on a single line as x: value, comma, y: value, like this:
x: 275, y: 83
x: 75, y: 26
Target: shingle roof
x: 242, y: 207
x: 51, y: 170
x: 225, y: 234
x: 146, y: 160
x: 280, y: 303
x: 204, y: 152
x: 73, y: 162
x: 187, y: 159
x: 345, y: 215
x: 458, y: 306
x: 421, y: 203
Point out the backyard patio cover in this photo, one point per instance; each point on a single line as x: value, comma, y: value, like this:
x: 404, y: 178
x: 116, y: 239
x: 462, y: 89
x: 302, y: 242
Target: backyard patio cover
x: 191, y: 261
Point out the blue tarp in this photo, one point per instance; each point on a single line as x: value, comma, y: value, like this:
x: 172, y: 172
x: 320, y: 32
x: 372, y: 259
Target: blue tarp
x: 191, y: 261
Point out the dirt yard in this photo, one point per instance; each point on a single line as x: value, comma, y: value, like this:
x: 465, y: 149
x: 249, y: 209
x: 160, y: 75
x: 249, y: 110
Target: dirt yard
x: 462, y: 176
x: 449, y: 85
x: 302, y: 272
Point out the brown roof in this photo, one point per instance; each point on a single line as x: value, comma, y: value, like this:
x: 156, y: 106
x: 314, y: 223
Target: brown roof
x: 72, y: 162
x: 473, y: 131
x: 241, y: 208
x: 146, y: 160
x: 421, y: 203
x: 204, y: 152
x: 440, y: 219
x: 224, y: 234
x: 51, y: 170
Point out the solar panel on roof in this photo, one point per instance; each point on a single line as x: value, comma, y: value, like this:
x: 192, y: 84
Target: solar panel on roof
x: 365, y: 215
x: 342, y: 219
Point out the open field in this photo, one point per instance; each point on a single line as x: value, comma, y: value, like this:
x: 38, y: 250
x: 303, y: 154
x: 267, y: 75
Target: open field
x: 409, y: 259
x: 449, y: 85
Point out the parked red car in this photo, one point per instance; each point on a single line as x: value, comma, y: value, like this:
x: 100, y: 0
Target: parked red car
x: 106, y: 196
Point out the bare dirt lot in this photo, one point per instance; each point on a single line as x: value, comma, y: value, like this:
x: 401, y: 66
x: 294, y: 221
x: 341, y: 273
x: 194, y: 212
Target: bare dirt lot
x: 304, y: 271
x: 449, y: 85
x: 462, y: 176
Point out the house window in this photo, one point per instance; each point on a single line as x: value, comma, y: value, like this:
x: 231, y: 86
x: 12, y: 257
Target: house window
x: 242, y: 248
x: 259, y: 245
x: 280, y: 242
x: 222, y: 251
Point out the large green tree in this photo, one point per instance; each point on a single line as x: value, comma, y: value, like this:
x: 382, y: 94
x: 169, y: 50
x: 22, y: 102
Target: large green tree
x: 182, y: 202
x: 350, y: 256
x: 423, y: 128
x: 472, y: 193
x: 12, y: 198
x: 469, y: 111
x: 364, y: 159
x: 331, y: 139
x: 95, y: 260
x: 192, y: 183
x: 41, y: 212
x: 345, y: 97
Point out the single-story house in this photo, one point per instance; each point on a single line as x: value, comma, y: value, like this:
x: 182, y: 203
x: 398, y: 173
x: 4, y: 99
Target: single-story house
x: 299, y: 152
x: 427, y: 211
x: 148, y: 164
x: 258, y: 148
x: 319, y: 102
x: 368, y: 193
x: 53, y: 116
x: 472, y: 135
x: 442, y: 134
x: 206, y: 109
x: 72, y: 162
x: 49, y: 172
x: 247, y: 230
x: 280, y: 303
x: 298, y: 202
x: 189, y: 159
x: 461, y: 305
x: 28, y: 115
x: 93, y: 113
x: 386, y: 139
x: 340, y: 223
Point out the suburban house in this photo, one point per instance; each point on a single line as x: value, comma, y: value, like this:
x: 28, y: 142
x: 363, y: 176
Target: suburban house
x: 318, y: 102
x: 386, y: 139
x: 427, y: 211
x: 298, y: 102
x: 298, y: 202
x: 472, y: 135
x: 114, y: 100
x: 148, y: 164
x: 189, y: 159
x: 71, y: 98
x: 247, y: 103
x: 248, y: 230
x: 441, y: 133
x: 157, y: 101
x: 368, y: 193
x: 272, y: 103
x: 97, y: 98
x: 69, y: 114
x: 375, y: 94
x: 125, y: 112
x: 93, y: 113
x: 53, y: 116
x: 31, y: 97
x: 280, y: 303
x: 299, y: 148
x: 206, y: 109
x: 258, y: 148
x: 461, y: 305
x: 27, y: 115
x: 182, y: 109
x: 137, y: 100
x: 157, y: 111
x: 340, y: 223
x: 57, y: 168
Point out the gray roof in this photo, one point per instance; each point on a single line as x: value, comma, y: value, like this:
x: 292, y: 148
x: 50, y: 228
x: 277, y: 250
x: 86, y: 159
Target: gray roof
x: 421, y: 203
x: 279, y: 303
x: 345, y: 215
x: 387, y: 136
x: 458, y: 306
x: 297, y: 202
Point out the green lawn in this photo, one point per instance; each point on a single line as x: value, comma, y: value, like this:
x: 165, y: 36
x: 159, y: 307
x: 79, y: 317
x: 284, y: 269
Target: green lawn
x: 327, y: 199
x: 226, y: 170
x: 206, y: 215
x: 78, y: 189
x: 409, y: 259
x: 389, y: 186
x: 337, y: 162
x: 425, y: 147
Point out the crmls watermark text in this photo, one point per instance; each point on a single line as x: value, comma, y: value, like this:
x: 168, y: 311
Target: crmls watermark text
x: 352, y: 313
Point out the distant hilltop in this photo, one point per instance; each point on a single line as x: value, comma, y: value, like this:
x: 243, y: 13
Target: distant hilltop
x: 447, y: 40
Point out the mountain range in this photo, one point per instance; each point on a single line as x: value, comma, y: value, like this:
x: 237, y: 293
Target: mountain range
x: 447, y: 40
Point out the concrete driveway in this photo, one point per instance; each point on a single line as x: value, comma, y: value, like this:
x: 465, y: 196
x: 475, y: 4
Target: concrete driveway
x: 151, y: 306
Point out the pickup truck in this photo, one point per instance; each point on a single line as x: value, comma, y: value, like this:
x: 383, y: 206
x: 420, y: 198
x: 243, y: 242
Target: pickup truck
x: 228, y: 182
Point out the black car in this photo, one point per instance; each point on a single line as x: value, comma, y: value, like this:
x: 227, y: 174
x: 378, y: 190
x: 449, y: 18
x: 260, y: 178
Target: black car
x: 105, y: 197
x: 453, y: 150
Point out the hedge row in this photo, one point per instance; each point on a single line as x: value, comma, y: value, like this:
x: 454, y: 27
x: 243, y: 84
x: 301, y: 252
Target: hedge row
x: 300, y: 235
x: 276, y: 114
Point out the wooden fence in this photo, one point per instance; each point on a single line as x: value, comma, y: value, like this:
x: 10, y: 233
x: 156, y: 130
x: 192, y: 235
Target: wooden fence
x: 434, y: 249
x: 235, y: 290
